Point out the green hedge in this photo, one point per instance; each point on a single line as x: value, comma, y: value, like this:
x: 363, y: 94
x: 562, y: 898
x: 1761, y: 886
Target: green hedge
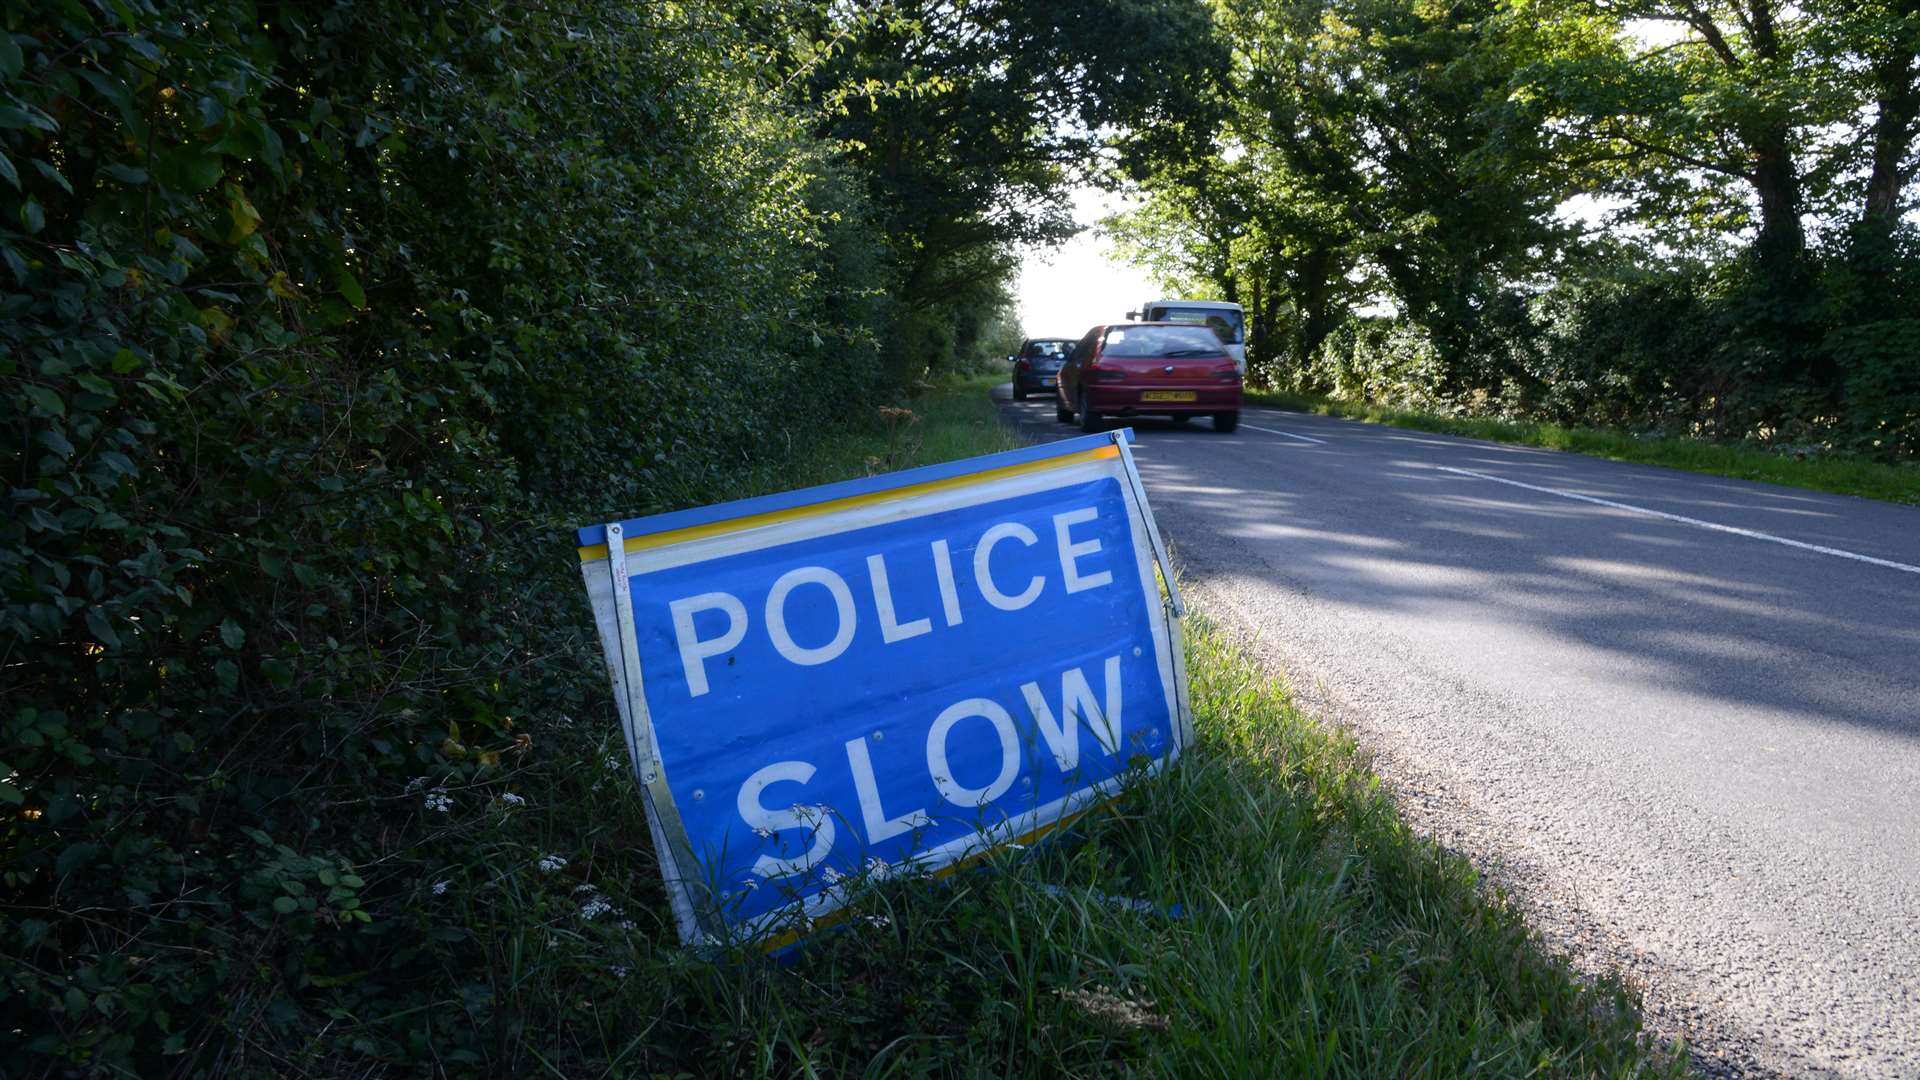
x: 318, y: 324
x: 1689, y: 351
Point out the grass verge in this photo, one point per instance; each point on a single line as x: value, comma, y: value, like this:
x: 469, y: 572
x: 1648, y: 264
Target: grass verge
x: 1292, y: 924
x: 1840, y: 475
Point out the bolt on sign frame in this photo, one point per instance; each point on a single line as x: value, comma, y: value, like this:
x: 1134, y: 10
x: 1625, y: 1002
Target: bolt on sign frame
x: 889, y: 675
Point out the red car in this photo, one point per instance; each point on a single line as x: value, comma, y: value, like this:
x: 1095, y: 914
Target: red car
x: 1149, y: 369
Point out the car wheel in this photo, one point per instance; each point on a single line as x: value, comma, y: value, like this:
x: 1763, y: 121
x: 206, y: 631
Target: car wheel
x: 1226, y: 421
x: 1089, y: 420
x: 1019, y: 392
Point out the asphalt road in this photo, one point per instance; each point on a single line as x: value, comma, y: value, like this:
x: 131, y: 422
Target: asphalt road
x: 1679, y: 716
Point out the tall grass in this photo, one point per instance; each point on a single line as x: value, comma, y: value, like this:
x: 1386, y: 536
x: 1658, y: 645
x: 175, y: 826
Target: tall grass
x: 1258, y: 910
x: 1838, y: 474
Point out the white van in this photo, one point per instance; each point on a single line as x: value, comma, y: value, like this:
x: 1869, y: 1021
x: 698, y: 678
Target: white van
x: 1224, y: 319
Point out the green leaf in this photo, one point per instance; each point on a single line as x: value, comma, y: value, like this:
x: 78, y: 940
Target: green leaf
x: 52, y: 174
x: 189, y: 169
x: 95, y: 384
x: 350, y: 288
x: 55, y: 441
x: 231, y: 633
x: 114, y: 91
x: 125, y: 361
x: 12, y: 116
x: 228, y: 673
x: 32, y: 218
x: 11, y: 62
x: 46, y: 401
x: 102, y: 628
x: 75, y: 857
x: 7, y: 171
x: 285, y: 905
x: 11, y: 794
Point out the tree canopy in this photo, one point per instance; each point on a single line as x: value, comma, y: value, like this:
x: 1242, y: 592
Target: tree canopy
x: 1513, y: 179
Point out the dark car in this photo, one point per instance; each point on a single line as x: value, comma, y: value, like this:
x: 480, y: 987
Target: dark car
x: 1037, y: 365
x: 1149, y: 369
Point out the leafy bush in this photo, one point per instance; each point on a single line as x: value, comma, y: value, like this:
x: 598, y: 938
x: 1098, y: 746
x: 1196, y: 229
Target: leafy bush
x: 1711, y: 352
x: 1382, y: 360
x: 1882, y: 362
x: 317, y: 326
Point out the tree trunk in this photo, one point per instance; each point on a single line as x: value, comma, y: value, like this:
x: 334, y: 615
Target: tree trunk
x: 1897, y: 100
x: 1312, y: 292
x: 1782, y: 237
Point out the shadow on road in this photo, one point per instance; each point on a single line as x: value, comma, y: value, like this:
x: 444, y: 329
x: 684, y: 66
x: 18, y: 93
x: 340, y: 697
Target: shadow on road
x: 1367, y: 521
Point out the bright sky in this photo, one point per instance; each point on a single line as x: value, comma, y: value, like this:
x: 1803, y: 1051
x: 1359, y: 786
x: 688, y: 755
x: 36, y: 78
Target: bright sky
x: 1063, y: 291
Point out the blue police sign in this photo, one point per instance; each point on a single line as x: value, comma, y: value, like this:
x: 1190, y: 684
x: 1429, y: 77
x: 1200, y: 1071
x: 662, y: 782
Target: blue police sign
x: 888, y: 674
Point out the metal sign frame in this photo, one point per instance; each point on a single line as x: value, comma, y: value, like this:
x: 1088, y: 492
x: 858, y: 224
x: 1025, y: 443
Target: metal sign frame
x: 892, y: 497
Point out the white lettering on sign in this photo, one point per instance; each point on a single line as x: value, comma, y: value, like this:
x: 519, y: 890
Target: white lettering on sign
x: 1071, y: 553
x: 777, y: 615
x: 1060, y: 731
x: 954, y: 791
x: 891, y: 628
x: 1076, y: 701
x: 943, y: 569
x: 1075, y: 576
x: 693, y: 651
x: 872, y: 816
x: 983, y: 569
x: 759, y: 818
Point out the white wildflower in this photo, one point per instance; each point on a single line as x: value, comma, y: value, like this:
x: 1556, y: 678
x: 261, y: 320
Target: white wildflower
x: 510, y: 799
x: 597, y: 906
x: 619, y: 972
x: 627, y: 924
x: 440, y: 887
x: 879, y: 920
x: 416, y: 784
x: 764, y: 834
x: 439, y: 801
x: 833, y: 876
x: 578, y: 889
x: 549, y: 863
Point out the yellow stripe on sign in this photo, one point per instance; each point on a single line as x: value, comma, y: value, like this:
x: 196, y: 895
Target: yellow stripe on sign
x: 797, y: 513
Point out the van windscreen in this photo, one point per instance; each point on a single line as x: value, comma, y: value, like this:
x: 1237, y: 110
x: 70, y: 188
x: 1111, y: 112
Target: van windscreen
x: 1225, y: 323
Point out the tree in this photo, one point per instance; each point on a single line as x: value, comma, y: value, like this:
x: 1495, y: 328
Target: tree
x: 1884, y: 36
x: 1713, y: 113
x: 972, y: 121
x: 1390, y: 143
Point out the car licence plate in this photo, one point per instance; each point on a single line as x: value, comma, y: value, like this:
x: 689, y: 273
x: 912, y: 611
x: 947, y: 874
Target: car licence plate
x: 1167, y: 395
x: 1047, y: 381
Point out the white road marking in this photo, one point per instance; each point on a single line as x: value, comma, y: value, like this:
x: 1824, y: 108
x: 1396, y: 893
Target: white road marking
x: 1288, y: 434
x: 1696, y: 522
